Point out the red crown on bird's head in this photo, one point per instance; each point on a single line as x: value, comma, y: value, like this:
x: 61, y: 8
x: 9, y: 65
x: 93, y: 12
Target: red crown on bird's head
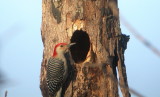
x: 57, y: 45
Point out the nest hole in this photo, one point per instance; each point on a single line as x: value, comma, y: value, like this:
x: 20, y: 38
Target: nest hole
x: 80, y: 50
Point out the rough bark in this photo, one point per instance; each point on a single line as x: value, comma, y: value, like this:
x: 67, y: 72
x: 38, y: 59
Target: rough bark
x: 94, y: 26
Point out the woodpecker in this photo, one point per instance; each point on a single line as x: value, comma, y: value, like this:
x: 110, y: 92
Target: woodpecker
x: 57, y: 69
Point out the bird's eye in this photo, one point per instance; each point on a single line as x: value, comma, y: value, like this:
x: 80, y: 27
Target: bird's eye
x: 61, y: 46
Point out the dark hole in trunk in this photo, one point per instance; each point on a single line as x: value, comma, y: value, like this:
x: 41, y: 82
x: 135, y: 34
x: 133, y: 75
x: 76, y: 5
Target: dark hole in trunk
x: 80, y: 50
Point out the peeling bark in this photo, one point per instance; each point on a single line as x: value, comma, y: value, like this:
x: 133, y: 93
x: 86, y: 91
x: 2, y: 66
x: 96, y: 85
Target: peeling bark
x: 94, y: 26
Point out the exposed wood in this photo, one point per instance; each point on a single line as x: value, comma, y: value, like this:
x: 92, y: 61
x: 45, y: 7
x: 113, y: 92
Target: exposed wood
x: 94, y: 26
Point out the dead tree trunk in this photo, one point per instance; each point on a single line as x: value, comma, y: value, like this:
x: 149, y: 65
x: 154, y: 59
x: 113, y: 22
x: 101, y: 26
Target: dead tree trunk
x: 94, y: 26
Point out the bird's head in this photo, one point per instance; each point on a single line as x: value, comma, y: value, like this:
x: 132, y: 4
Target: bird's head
x: 61, y: 48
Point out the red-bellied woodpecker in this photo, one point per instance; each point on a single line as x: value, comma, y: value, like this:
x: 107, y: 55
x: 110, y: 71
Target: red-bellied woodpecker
x: 57, y: 69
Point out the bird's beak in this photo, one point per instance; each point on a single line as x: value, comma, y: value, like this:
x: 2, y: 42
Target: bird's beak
x: 69, y: 45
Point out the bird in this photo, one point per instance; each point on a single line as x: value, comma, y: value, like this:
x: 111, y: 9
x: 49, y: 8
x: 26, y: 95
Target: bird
x: 57, y: 69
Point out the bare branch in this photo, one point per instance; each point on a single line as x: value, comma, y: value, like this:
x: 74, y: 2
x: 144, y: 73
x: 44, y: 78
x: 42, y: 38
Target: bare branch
x: 135, y: 32
x: 6, y: 93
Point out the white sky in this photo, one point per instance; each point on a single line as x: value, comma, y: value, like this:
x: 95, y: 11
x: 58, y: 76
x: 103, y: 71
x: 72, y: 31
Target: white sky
x: 21, y: 46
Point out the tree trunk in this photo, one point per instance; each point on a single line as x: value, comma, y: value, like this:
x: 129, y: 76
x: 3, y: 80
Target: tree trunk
x: 99, y: 50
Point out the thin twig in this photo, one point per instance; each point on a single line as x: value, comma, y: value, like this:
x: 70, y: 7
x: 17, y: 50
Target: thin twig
x: 138, y: 36
x: 123, y: 86
x: 6, y: 93
x: 135, y: 93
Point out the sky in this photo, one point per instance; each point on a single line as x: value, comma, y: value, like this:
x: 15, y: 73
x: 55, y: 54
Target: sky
x: 21, y: 46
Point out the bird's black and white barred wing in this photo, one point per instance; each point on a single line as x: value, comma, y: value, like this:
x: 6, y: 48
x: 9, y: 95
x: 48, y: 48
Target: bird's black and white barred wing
x: 55, y: 71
